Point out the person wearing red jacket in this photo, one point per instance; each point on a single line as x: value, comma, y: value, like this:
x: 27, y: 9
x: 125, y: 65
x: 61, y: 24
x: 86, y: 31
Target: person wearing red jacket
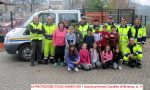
x: 114, y: 38
x: 85, y: 61
x: 105, y: 37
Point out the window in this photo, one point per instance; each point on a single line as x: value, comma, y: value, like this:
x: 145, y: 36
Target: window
x: 43, y: 17
x: 72, y: 17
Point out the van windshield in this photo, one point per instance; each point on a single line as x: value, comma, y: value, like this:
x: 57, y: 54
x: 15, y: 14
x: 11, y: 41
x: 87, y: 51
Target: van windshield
x: 72, y: 17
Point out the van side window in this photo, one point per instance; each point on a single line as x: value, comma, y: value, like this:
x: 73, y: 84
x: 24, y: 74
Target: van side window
x: 43, y: 17
x: 72, y: 17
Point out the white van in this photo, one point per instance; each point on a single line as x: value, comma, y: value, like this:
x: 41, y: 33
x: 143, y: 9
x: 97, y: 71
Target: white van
x: 17, y: 40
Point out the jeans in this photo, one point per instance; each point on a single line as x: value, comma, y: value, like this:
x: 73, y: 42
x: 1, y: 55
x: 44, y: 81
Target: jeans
x: 96, y: 64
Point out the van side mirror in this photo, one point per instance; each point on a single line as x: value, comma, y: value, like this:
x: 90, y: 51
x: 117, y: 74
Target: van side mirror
x: 26, y: 32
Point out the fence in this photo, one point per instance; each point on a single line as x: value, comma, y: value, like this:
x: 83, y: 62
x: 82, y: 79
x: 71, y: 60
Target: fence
x: 102, y: 14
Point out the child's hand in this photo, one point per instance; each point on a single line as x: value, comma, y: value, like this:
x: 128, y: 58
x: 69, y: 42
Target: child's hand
x: 90, y: 65
x: 111, y: 35
x: 104, y: 61
x: 75, y: 62
x: 106, y: 36
x: 78, y: 61
x: 131, y: 55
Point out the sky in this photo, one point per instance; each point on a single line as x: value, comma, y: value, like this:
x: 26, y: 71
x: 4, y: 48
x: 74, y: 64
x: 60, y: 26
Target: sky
x: 143, y: 2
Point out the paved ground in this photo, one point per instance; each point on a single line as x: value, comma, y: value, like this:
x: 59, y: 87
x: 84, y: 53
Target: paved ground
x: 18, y: 75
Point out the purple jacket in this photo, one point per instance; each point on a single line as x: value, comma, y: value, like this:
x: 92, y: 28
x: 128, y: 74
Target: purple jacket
x: 70, y: 58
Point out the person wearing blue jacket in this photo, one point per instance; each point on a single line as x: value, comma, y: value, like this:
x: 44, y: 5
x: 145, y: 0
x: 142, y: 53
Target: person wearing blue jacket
x: 72, y: 58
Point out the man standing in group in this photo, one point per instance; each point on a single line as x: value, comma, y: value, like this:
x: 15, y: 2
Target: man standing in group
x: 83, y: 26
x: 124, y: 31
x: 139, y: 32
x: 49, y: 49
x: 96, y: 24
x: 36, y: 36
x: 110, y: 23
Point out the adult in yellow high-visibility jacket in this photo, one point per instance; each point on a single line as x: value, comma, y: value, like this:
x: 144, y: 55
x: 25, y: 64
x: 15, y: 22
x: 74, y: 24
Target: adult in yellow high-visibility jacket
x: 133, y: 54
x: 124, y: 31
x: 110, y: 23
x: 49, y: 49
x: 96, y: 24
x: 83, y: 26
x: 139, y: 32
x: 36, y: 37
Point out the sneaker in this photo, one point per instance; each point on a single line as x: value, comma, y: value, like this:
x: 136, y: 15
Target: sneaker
x: 69, y: 69
x: 62, y: 64
x: 138, y: 64
x: 55, y: 64
x: 131, y: 66
x: 32, y: 63
x: 121, y: 61
x: 76, y: 69
x: 51, y: 57
x: 51, y: 61
x: 46, y: 61
x: 115, y: 65
x: 40, y: 62
x: 45, y: 58
x: 119, y: 67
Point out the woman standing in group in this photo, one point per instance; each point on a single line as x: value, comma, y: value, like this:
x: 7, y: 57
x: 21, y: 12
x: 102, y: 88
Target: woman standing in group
x: 59, y: 43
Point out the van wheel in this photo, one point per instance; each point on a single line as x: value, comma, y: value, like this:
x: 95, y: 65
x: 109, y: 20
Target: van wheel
x: 25, y: 52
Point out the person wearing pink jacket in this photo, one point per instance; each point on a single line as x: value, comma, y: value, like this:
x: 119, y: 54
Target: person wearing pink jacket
x: 59, y: 43
x: 85, y: 61
x: 107, y: 57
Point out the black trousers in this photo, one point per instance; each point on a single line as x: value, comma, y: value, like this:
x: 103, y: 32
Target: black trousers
x: 36, y: 46
x: 117, y: 60
x: 106, y: 65
x: 132, y: 63
x: 113, y: 48
x: 59, y: 53
x: 78, y: 46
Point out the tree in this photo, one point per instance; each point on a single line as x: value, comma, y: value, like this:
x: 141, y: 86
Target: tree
x: 71, y: 4
x: 96, y: 4
x: 119, y: 4
x: 32, y: 4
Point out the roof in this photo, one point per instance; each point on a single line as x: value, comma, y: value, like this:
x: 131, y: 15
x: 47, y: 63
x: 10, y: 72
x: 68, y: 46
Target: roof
x: 64, y: 11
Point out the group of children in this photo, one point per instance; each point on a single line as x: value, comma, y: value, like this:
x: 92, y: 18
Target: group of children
x: 98, y: 49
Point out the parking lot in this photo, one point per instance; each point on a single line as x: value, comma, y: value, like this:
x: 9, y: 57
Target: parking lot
x: 18, y: 75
